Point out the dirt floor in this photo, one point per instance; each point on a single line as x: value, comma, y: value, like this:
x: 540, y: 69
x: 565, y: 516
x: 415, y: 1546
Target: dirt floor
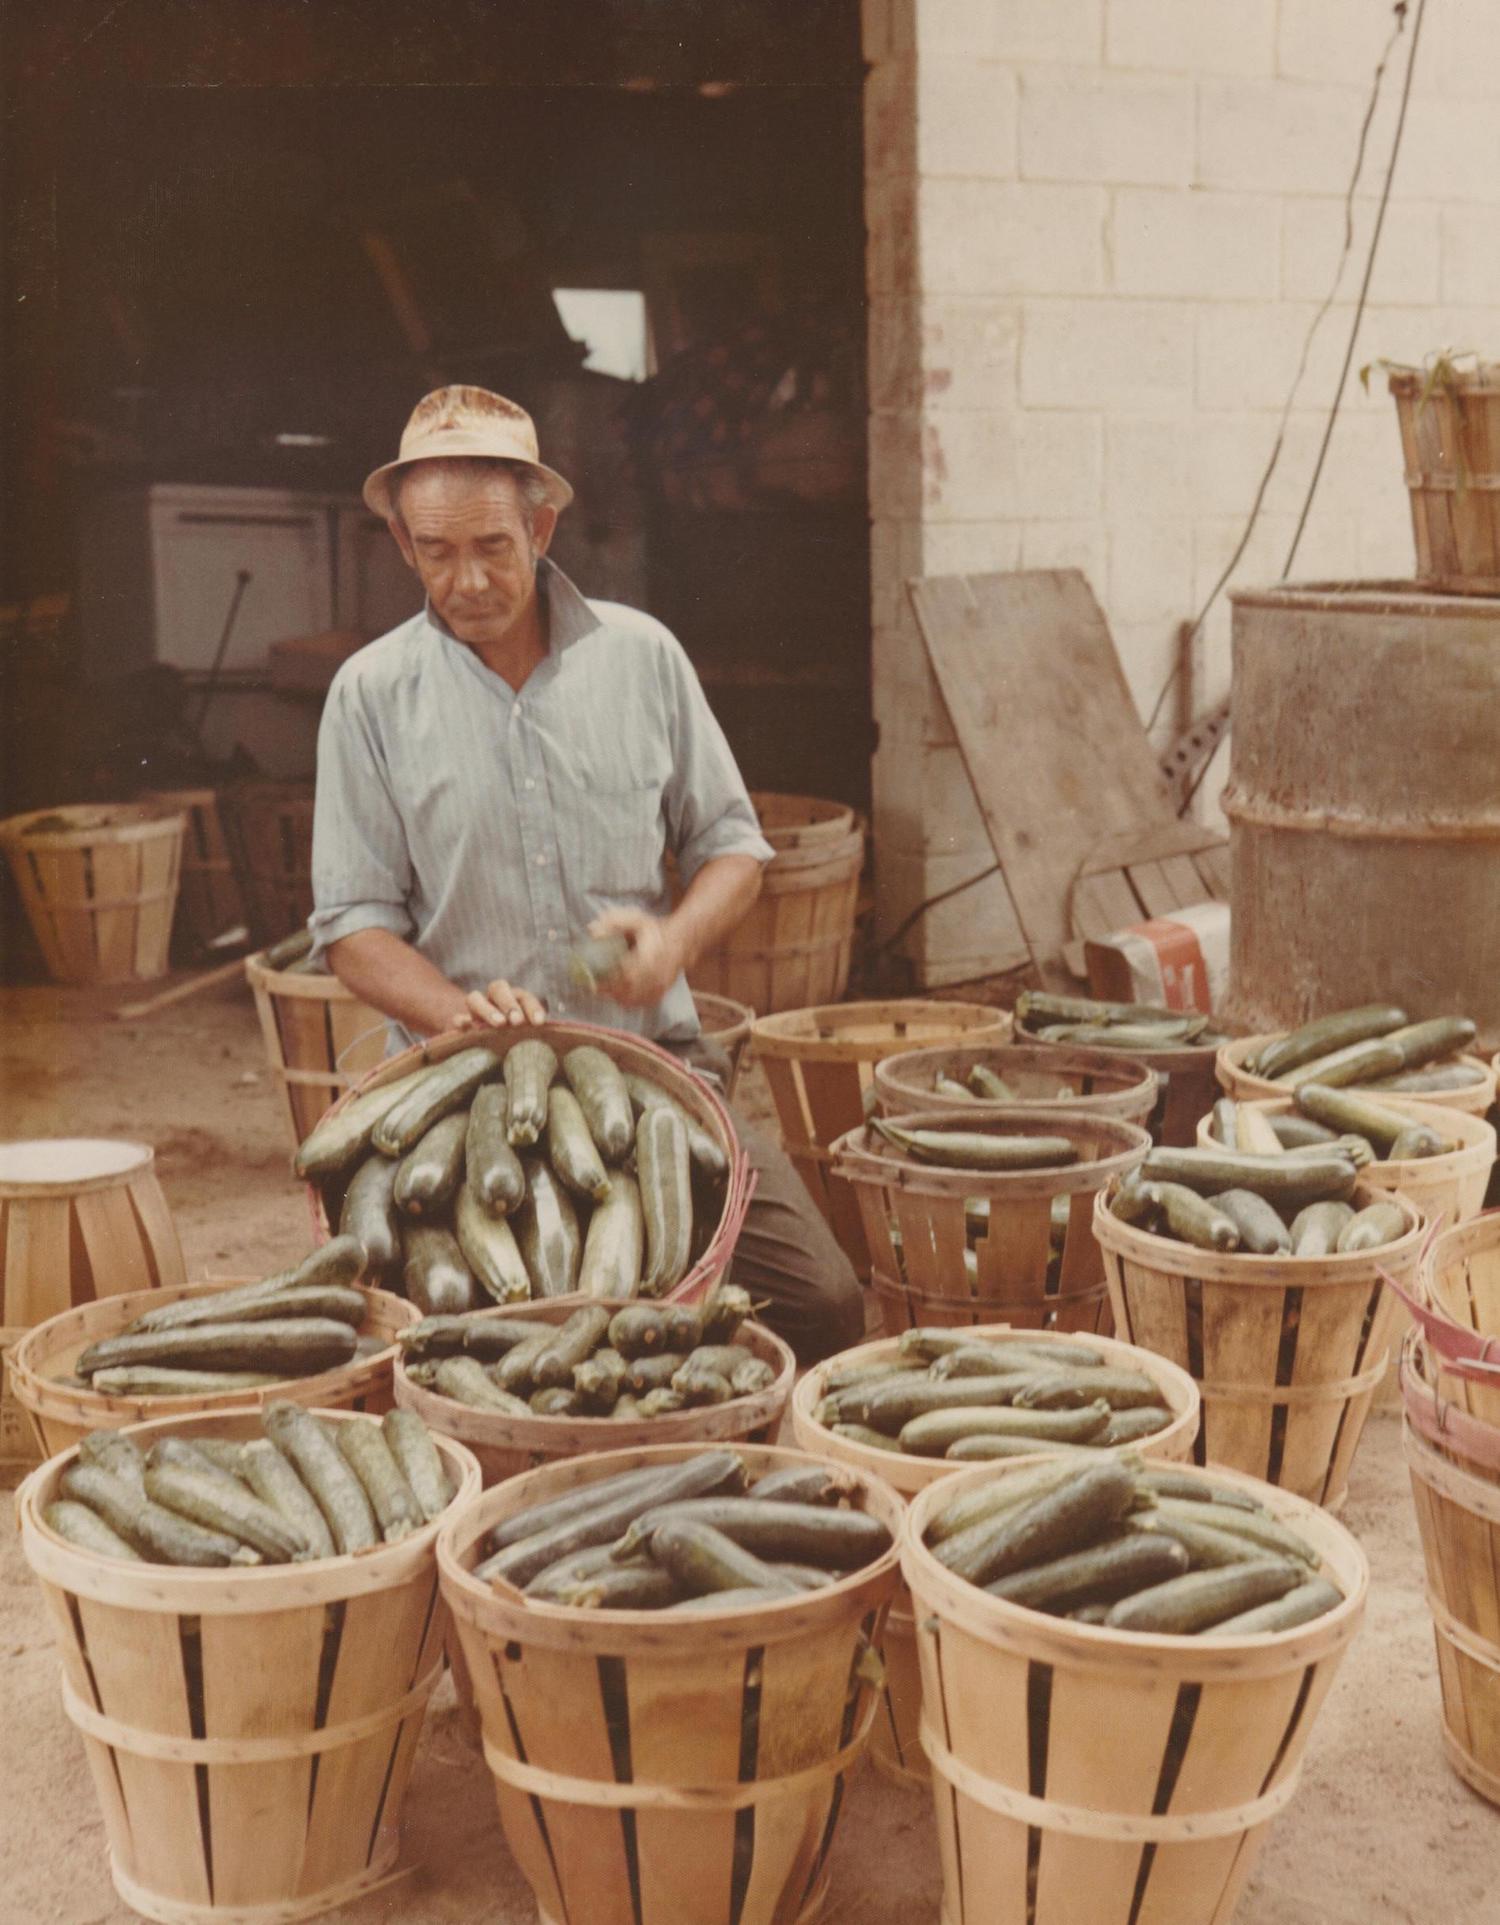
x: 1381, y: 1832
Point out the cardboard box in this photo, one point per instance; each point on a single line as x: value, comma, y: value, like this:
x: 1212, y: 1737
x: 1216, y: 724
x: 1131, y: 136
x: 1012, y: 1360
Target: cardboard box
x: 1179, y: 961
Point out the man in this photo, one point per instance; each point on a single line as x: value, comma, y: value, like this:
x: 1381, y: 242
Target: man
x: 513, y: 765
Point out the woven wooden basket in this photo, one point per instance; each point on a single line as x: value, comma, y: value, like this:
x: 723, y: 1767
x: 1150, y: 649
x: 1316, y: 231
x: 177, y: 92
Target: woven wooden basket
x: 652, y: 1771
x: 320, y: 1039
x: 1287, y: 1351
x: 1185, y: 1087
x: 1474, y: 1099
x: 100, y: 887
x: 895, y: 1745
x: 1450, y: 440
x: 1083, y: 1773
x: 250, y: 1733
x: 916, y: 1220
x: 1044, y: 1074
x: 208, y: 898
x: 61, y: 1412
x: 1460, y: 1280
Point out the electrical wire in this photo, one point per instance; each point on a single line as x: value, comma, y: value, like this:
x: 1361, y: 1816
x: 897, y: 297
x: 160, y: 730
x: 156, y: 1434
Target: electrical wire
x: 932, y: 902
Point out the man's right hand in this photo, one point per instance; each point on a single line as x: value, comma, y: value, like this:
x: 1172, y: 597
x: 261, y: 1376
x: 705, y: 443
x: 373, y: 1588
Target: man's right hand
x: 498, y: 1006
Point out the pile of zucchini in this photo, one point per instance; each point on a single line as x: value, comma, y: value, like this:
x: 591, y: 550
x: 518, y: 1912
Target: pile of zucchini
x: 643, y: 1361
x: 1122, y: 1026
x: 1325, y: 1118
x: 488, y: 1178
x: 1135, y: 1548
x: 295, y: 1324
x: 981, y: 1085
x: 691, y: 1536
x: 305, y: 1489
x: 952, y: 1394
x: 1373, y: 1046
x: 1290, y: 1202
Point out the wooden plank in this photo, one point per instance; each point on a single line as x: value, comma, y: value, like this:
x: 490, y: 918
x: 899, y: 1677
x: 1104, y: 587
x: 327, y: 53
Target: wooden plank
x: 37, y: 1259
x: 1035, y: 643
x: 118, y: 1260
x: 1104, y: 903
x: 1214, y: 868
x: 1156, y: 887
x: 1182, y: 874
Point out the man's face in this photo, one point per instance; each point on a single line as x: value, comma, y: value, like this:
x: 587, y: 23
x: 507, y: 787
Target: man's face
x: 467, y: 539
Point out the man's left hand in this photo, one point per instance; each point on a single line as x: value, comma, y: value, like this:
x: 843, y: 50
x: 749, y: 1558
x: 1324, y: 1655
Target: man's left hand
x: 651, y: 964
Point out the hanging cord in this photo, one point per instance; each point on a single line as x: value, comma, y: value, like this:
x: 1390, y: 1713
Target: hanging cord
x: 1397, y: 29
x: 944, y: 895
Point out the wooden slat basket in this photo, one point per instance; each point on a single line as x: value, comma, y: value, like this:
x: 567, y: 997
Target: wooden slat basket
x: 726, y: 1025
x: 895, y: 1744
x: 100, y: 887
x: 507, y: 1446
x: 820, y: 1062
x: 270, y: 827
x: 1245, y: 1087
x: 320, y: 1038
x: 1038, y: 1073
x: 1029, y: 1267
x: 1461, y: 1281
x: 1450, y: 440
x: 80, y: 1218
x: 797, y: 943
x: 660, y: 1772
x: 61, y: 1412
x: 1288, y: 1352
x: 208, y: 899
x: 1185, y: 1088
x: 250, y: 1733
x: 1087, y: 1774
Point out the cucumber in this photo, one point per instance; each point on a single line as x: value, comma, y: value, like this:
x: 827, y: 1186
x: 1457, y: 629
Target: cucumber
x: 513, y: 1372
x: 369, y: 1215
x: 492, y: 1169
x: 989, y: 1086
x: 1208, y: 1548
x: 488, y: 1245
x: 570, y: 1147
x: 1358, y: 1149
x: 547, y: 1231
x: 627, y: 1409
x: 1036, y: 1006
x: 976, y: 1360
x: 335, y: 1489
x: 1261, y: 1230
x: 1428, y: 1082
x: 159, y: 1536
x: 635, y: 1587
x: 888, y: 1404
x: 1202, y: 1598
x: 806, y: 1577
x: 931, y: 1434
x: 485, y: 1337
x: 1099, y: 1575
x: 1000, y: 1494
x: 338, y: 1263
x: 571, y: 1506
x: 1129, y: 1426
x: 433, y: 1168
x: 1311, y: 1599
x: 417, y: 1455
x: 1372, y: 1228
x: 442, y: 1089
x: 871, y: 1439
x: 955, y: 1092
x: 594, y: 959
x: 85, y: 1528
x: 392, y: 1499
x: 342, y: 1138
x: 775, y: 1529
x: 291, y: 949
x: 1417, y: 1142
x: 1255, y: 1527
x: 1356, y: 1064
x: 120, y: 1456
x: 276, y: 1484
x: 1424, y: 1043
x: 707, y: 1153
x: 975, y: 1150
x: 1070, y: 1517
x: 205, y: 1501
x: 664, y: 1174
x: 180, y: 1453
x: 466, y: 1381
x: 1193, y: 1219
x: 1329, y: 1033
x: 1316, y: 1230
x: 568, y: 1571
x: 1176, y: 1033
x: 1343, y: 1111
x: 1226, y: 1128
x: 702, y: 1559
x: 1065, y: 1389
x: 801, y: 1484
x: 583, y: 1332
x: 615, y: 1242
x: 600, y: 1088
x: 287, y: 1346
x: 529, y: 1069
x: 989, y: 1450
x: 1163, y: 1481
x: 661, y: 1402
x: 159, y: 1380
x: 1285, y: 1181
x: 342, y: 1302
x: 437, y: 1278
x: 1254, y: 1135
x: 1295, y: 1132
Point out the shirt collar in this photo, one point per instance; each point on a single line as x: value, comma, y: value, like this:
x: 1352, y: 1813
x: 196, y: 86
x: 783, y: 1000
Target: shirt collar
x: 567, y: 614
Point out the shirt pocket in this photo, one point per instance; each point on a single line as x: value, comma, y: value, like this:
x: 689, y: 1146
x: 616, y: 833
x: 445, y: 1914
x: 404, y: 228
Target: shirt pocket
x: 621, y: 841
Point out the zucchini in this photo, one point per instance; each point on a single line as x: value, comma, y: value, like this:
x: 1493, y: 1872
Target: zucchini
x: 801, y: 1484
x: 1285, y: 1181
x: 205, y: 1501
x: 513, y: 1372
x: 775, y: 1529
x: 955, y: 1092
x: 707, y: 1153
x: 1208, y: 1548
x: 1226, y: 1126
x: 887, y: 1404
x: 631, y: 1587
x: 1178, y: 1032
x: 1424, y: 1043
x: 442, y: 1089
x: 751, y: 1377
x: 1356, y: 1064
x: 1417, y: 1142
x: 1256, y: 1527
x: 342, y: 1138
x: 1163, y: 1481
x: 573, y: 1341
x: 335, y: 1489
x: 1295, y: 1132
x: 1099, y: 1575
x: 417, y: 1455
x: 638, y: 1331
x: 664, y: 1175
x: 437, y: 1279
x: 1070, y: 1517
x: 291, y: 949
x: 492, y: 1169
x: 485, y: 1337
x: 1202, y: 1598
x: 1358, y: 1149
x: 931, y: 1434
x: 392, y: 1499
x: 369, y: 1215
x: 1037, y: 1006
x: 1129, y: 1426
x: 600, y: 1088
x: 1343, y: 1111
x: 1316, y: 1230
x: 661, y: 1402
x: 976, y: 1150
x: 1329, y: 1033
x: 276, y: 1484
x: 614, y: 1242
x: 1428, y: 1082
x: 1372, y: 1228
x: 1071, y: 1389
x: 1254, y: 1134
x: 547, y: 1232
x: 569, y: 1507
x: 529, y: 1069
x: 1310, y: 1599
x: 988, y: 1450
x: 1002, y: 1494
x: 1261, y: 1230
x: 703, y: 1559
x: 180, y: 1453
x: 989, y: 1086
x: 466, y: 1381
x: 699, y: 1383
x: 159, y: 1536
x: 488, y: 1245
x: 88, y: 1530
x: 720, y: 1314
x: 871, y: 1439
x: 976, y: 1360
x: 339, y: 1262
x: 570, y: 1147
x: 599, y: 1380
x: 431, y: 1171
x: 653, y: 1372
x: 1193, y: 1219
x: 285, y: 1346
x: 160, y: 1380
x: 119, y: 1455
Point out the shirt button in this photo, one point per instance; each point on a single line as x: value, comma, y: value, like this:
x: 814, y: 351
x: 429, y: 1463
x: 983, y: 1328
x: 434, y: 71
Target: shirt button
x: 517, y: 709
x: 541, y: 862
x: 530, y: 782
x: 552, y: 935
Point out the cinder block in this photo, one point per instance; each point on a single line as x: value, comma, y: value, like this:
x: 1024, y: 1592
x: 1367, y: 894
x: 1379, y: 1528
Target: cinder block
x: 891, y: 234
x: 1005, y: 466
x: 1265, y: 136
x: 971, y: 547
x: 1460, y: 54
x: 1215, y: 539
x: 1195, y: 244
x: 972, y: 933
x: 895, y: 354
x: 965, y: 118
x: 1249, y: 353
x: 1191, y: 36
x: 906, y: 702
x: 1029, y: 31
x: 1471, y: 257
x: 1106, y: 126
x: 1001, y: 237
x: 1150, y: 576
x: 1336, y: 41
x: 934, y: 809
x: 1066, y: 544
x: 1229, y: 457
x: 896, y: 557
x: 890, y: 103
x: 1148, y: 465
x: 969, y: 353
x: 1118, y: 356
x: 946, y: 26
x: 1406, y: 267
x: 1147, y: 651
x: 896, y: 466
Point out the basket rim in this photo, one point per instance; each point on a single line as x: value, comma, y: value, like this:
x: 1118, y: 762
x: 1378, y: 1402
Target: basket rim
x: 568, y: 1626
x: 23, y: 1189
x: 300, y: 984
x: 816, y: 1437
x: 1137, y: 1078
x: 1180, y: 1057
x: 1131, y: 1243
x: 1231, y: 1061
x: 792, y: 1032
x: 1075, y: 1646
x: 233, y: 1589
x: 110, y: 821
x: 1479, y: 1131
x: 1457, y: 1244
x: 890, y: 1168
x: 1437, y: 1419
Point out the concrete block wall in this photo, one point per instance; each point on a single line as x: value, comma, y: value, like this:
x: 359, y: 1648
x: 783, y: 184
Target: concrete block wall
x: 1098, y: 233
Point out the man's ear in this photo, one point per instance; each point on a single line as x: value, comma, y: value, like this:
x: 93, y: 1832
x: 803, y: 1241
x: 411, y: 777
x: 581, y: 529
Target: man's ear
x: 543, y: 527
x: 403, y: 542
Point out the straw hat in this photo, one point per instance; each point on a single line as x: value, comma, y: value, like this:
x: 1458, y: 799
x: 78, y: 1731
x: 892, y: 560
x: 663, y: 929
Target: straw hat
x: 452, y: 423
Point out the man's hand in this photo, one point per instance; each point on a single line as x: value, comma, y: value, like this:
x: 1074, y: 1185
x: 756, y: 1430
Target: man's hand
x: 498, y: 1006
x: 651, y: 964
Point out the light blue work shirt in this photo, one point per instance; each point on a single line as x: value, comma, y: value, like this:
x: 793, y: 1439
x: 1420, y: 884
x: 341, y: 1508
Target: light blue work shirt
x: 489, y: 826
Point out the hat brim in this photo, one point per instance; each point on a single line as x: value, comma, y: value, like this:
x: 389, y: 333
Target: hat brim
x: 377, y: 488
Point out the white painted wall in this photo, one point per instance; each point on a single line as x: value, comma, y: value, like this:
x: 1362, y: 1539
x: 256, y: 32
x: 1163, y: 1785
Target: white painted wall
x: 1098, y: 231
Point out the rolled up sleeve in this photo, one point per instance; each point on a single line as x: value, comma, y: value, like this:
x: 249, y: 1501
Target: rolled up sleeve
x: 362, y: 874
x: 708, y: 808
